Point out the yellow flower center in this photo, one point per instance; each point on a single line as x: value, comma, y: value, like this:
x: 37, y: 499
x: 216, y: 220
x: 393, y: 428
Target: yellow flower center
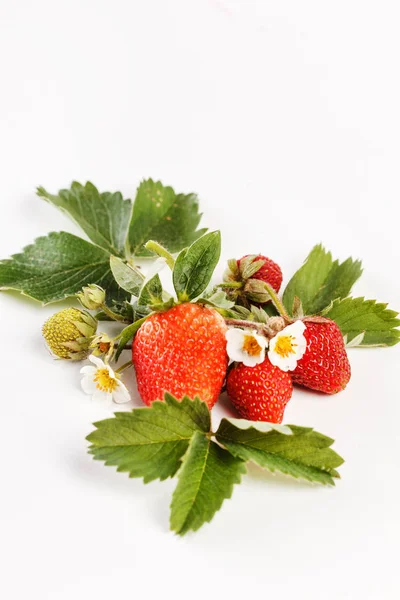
x: 251, y: 346
x: 104, y: 381
x: 284, y: 346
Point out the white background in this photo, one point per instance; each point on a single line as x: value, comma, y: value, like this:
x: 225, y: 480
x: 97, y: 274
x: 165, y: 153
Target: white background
x: 284, y: 117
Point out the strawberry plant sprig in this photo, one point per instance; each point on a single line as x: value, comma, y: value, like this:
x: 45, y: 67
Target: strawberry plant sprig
x: 241, y: 336
x: 175, y: 438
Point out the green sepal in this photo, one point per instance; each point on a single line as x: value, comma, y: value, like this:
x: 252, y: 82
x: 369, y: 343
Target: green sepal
x: 151, y: 292
x: 127, y: 334
x: 194, y: 266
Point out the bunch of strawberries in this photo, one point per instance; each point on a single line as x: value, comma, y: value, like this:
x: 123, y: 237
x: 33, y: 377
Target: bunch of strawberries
x: 192, y: 350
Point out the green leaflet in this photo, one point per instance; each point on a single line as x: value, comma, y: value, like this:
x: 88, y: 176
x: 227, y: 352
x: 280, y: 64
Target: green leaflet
x: 301, y: 453
x: 320, y: 281
x: 357, y: 315
x: 206, y: 479
x: 127, y: 277
x: 57, y: 266
x: 194, y: 266
x: 162, y: 215
x: 104, y: 217
x: 149, y: 442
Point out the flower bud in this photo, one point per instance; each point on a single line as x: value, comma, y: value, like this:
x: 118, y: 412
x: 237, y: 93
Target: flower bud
x: 102, y: 345
x: 92, y: 296
x: 256, y: 290
x: 69, y: 332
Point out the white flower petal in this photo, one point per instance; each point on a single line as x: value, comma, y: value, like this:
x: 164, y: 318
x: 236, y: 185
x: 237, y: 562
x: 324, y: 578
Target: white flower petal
x: 235, y: 341
x: 252, y: 361
x: 88, y: 385
x: 97, y: 361
x: 100, y: 396
x: 110, y: 371
x: 299, y: 346
x: 88, y: 370
x: 121, y: 394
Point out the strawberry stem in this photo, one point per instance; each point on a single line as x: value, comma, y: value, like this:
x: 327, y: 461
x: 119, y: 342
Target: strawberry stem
x: 124, y: 366
x: 261, y: 328
x: 231, y: 284
x: 277, y: 302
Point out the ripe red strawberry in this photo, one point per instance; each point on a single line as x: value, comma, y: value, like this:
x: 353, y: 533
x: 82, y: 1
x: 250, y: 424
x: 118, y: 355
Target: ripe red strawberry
x: 324, y: 366
x: 181, y: 351
x: 270, y: 272
x: 259, y: 393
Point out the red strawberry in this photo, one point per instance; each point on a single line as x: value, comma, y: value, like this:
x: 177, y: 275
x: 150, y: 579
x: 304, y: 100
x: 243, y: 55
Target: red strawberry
x: 181, y: 351
x: 270, y: 272
x: 259, y: 393
x: 324, y: 366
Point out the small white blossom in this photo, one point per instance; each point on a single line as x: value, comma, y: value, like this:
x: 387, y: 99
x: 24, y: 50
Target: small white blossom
x: 101, y: 382
x: 288, y: 346
x: 245, y: 346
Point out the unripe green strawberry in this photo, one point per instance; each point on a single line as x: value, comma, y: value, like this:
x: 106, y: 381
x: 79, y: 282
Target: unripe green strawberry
x: 181, y: 351
x: 259, y: 393
x: 324, y: 366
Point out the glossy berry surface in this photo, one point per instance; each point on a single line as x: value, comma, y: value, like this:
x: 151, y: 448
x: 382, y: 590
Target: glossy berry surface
x: 324, y: 366
x: 181, y: 351
x: 259, y: 393
x: 270, y: 272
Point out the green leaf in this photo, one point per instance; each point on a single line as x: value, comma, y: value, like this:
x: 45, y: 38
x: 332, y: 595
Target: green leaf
x: 127, y: 277
x: 152, y: 292
x: 320, y: 281
x: 104, y: 217
x: 206, y: 479
x: 357, y: 315
x: 57, y: 266
x: 194, y: 267
x: 296, y: 451
x: 162, y: 215
x: 150, y: 442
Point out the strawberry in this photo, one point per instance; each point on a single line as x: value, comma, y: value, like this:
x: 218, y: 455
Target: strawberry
x: 269, y: 272
x: 324, y: 366
x: 181, y: 351
x: 259, y: 393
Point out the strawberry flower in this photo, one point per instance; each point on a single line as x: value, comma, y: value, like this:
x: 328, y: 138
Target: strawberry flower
x: 288, y: 346
x: 245, y: 346
x: 101, y: 382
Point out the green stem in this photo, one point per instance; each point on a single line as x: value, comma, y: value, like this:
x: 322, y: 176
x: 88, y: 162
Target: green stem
x: 124, y: 366
x: 114, y: 316
x: 161, y: 251
x: 277, y: 302
x: 231, y: 284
